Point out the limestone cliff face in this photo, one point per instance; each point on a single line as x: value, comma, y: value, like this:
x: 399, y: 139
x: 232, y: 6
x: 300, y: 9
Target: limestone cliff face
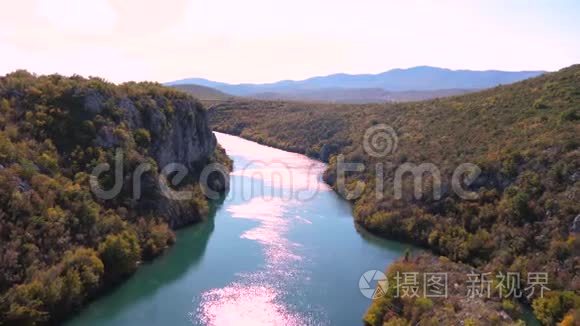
x: 181, y: 135
x: 179, y: 132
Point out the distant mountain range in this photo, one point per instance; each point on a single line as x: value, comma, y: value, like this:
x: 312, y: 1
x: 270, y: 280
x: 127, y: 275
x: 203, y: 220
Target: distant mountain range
x: 423, y: 82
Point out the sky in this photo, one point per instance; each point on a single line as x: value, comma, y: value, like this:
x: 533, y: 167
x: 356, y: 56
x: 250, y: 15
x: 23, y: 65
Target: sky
x: 266, y: 40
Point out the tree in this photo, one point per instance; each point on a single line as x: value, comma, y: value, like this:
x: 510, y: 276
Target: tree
x: 142, y: 137
x: 554, y: 305
x: 89, y: 267
x: 120, y: 255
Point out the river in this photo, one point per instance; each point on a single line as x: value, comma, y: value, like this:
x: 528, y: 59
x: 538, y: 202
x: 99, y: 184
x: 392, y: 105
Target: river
x: 281, y: 249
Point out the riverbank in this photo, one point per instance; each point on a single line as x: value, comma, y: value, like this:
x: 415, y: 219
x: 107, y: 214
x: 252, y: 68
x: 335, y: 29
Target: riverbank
x: 288, y: 255
x: 457, y: 307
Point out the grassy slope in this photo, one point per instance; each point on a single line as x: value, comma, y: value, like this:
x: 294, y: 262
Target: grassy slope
x: 356, y: 95
x: 206, y: 95
x: 524, y: 137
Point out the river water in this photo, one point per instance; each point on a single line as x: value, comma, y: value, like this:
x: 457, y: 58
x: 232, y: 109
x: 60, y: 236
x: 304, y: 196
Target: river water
x: 281, y: 249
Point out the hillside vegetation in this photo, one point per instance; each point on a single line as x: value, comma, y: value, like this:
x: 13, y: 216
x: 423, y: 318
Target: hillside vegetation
x: 206, y: 95
x: 59, y: 244
x: 524, y: 137
x: 357, y: 95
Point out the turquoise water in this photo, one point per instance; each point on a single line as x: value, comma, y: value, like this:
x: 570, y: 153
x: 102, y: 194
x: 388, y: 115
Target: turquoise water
x: 281, y: 249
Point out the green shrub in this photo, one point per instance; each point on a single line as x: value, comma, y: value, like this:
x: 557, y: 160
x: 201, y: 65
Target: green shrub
x: 120, y: 255
x: 554, y: 305
x: 142, y: 137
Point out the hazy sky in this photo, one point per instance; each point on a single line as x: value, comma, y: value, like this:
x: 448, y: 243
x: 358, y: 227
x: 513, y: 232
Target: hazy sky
x: 268, y: 40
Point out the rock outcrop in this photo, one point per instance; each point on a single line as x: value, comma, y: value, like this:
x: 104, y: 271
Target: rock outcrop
x: 181, y: 135
x: 185, y: 137
x: 178, y: 132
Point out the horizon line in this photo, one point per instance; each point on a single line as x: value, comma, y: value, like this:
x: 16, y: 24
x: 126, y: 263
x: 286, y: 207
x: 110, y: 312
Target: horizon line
x: 356, y: 74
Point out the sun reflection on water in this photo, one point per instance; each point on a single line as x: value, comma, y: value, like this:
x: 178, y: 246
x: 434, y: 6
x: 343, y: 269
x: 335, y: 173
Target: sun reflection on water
x: 258, y: 298
x: 239, y: 304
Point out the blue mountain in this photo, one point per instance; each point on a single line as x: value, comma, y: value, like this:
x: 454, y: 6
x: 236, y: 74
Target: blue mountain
x: 422, y: 78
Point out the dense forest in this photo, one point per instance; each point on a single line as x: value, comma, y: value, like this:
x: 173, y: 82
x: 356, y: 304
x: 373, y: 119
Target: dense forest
x: 526, y: 216
x: 60, y: 245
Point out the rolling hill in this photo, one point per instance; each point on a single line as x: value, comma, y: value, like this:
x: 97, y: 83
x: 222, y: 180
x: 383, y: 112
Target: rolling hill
x: 204, y: 93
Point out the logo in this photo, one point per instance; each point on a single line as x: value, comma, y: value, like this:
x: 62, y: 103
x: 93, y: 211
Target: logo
x: 380, y: 140
x: 373, y: 284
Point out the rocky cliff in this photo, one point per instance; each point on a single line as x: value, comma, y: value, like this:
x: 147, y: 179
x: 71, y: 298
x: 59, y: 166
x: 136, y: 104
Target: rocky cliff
x: 62, y: 242
x: 175, y: 129
x: 147, y: 122
x: 179, y: 131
